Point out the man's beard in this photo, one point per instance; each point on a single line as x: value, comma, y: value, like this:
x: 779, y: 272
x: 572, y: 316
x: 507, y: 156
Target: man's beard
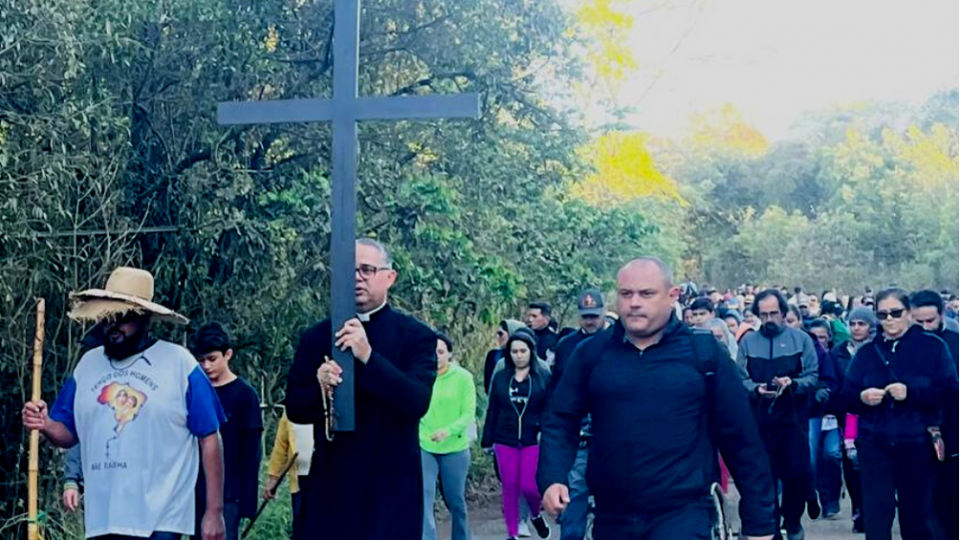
x: 130, y: 345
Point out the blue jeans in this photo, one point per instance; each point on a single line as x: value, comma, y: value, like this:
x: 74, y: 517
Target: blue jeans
x: 825, y: 460
x: 573, y: 521
x: 452, y: 469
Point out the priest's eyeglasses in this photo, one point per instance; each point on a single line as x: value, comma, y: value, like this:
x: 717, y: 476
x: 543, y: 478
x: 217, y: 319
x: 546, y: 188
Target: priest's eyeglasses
x: 367, y: 271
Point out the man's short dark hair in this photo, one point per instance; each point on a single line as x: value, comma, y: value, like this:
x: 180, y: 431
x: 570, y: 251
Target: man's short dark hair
x: 703, y: 303
x: 767, y: 293
x: 925, y: 298
x: 211, y: 337
x: 446, y: 339
x: 542, y: 306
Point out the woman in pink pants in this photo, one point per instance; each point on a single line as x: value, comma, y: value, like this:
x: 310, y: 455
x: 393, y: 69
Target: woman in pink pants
x: 518, y: 396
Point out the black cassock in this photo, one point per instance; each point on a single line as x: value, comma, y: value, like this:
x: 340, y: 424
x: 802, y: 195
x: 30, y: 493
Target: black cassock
x: 367, y: 484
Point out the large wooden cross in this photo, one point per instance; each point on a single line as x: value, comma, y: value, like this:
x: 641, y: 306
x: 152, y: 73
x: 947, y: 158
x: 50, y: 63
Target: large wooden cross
x: 344, y: 111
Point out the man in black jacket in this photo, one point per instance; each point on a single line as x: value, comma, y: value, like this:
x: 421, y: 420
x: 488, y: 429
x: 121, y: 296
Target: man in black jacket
x: 573, y: 523
x: 660, y: 411
x: 926, y: 309
x: 538, y: 319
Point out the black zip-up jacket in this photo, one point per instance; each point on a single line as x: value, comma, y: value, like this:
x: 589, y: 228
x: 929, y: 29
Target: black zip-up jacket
x: 658, y: 421
x: 547, y: 341
x: 507, y: 424
x: 920, y: 361
x: 562, y: 355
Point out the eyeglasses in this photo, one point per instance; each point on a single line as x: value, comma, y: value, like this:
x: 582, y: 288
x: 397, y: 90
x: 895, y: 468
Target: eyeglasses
x: 367, y: 271
x: 893, y: 313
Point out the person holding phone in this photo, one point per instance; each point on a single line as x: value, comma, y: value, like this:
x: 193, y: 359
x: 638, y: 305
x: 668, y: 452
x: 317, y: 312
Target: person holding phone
x: 779, y: 368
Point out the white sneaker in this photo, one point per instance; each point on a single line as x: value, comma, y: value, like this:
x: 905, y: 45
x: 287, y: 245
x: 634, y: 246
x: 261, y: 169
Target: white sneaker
x: 524, y: 529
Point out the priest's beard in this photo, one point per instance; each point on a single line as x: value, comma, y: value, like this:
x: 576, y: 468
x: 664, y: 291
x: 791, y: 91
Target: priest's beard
x: 128, y: 345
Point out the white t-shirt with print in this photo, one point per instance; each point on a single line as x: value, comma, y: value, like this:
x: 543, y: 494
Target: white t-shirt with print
x: 138, y: 421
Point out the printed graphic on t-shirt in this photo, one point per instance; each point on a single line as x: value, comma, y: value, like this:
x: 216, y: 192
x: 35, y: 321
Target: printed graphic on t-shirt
x: 125, y: 401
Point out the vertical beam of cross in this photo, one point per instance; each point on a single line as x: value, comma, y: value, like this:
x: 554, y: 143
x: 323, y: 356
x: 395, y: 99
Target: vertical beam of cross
x: 344, y: 110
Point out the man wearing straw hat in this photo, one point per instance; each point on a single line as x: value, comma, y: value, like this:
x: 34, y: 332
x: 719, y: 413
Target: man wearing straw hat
x: 139, y: 405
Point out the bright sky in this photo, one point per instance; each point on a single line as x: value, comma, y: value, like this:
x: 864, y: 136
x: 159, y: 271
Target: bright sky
x: 775, y: 59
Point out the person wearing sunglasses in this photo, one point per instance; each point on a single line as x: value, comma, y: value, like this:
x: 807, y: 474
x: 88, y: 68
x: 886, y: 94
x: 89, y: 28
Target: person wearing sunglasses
x: 863, y: 326
x: 504, y: 330
x: 899, y: 384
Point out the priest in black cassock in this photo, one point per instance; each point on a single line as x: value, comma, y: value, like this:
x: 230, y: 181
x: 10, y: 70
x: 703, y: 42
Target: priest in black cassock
x: 367, y: 484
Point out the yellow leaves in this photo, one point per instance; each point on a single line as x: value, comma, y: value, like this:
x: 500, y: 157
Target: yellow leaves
x: 930, y: 155
x: 424, y: 155
x: 623, y: 170
x: 726, y: 131
x: 608, y: 28
x: 272, y: 39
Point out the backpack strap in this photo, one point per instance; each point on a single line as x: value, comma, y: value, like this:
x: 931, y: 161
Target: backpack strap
x: 705, y: 360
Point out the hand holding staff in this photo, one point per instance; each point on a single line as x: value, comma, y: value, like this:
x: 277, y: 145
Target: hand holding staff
x: 33, y: 530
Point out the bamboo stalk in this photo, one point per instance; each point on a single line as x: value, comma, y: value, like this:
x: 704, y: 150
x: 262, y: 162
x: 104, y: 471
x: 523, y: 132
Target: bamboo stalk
x: 33, y: 528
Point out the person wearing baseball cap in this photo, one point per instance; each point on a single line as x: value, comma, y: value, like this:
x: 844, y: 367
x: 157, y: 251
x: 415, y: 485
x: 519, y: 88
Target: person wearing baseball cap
x: 590, y: 305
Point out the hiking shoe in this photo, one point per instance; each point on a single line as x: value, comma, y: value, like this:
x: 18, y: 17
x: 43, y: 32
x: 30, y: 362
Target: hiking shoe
x: 543, y: 530
x: 523, y: 530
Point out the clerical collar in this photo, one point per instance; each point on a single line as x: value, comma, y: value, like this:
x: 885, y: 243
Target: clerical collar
x: 365, y: 317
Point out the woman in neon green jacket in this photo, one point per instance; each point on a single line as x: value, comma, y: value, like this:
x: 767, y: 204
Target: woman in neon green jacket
x: 444, y: 442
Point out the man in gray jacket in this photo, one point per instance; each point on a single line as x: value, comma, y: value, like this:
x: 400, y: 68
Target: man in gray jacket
x: 779, y: 365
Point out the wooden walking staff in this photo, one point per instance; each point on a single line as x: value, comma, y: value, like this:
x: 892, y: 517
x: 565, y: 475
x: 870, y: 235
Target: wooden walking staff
x: 33, y: 529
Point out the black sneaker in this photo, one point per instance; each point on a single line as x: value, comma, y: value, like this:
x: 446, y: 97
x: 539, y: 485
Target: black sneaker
x: 543, y: 530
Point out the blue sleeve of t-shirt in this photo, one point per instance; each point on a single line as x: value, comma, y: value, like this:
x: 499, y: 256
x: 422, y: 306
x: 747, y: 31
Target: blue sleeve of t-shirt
x: 62, y: 410
x: 204, y: 412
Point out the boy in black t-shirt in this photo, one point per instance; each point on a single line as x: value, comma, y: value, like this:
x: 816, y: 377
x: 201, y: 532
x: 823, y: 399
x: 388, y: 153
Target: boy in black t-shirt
x: 240, y: 433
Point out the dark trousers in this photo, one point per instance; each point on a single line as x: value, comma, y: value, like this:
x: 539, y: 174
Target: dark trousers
x: 296, y: 502
x: 851, y: 477
x: 685, y: 522
x: 945, y: 499
x: 897, y: 474
x: 231, y: 520
x: 788, y: 449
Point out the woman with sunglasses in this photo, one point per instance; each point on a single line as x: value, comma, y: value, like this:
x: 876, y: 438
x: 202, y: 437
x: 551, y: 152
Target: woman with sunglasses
x: 899, y: 385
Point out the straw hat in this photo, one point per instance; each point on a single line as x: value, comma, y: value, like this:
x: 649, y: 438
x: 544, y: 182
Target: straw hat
x: 128, y: 289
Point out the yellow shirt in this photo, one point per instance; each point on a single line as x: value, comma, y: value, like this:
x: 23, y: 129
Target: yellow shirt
x: 291, y: 439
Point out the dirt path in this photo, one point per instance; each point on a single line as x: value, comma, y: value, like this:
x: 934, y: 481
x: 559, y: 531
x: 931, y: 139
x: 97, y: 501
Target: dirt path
x: 486, y: 523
